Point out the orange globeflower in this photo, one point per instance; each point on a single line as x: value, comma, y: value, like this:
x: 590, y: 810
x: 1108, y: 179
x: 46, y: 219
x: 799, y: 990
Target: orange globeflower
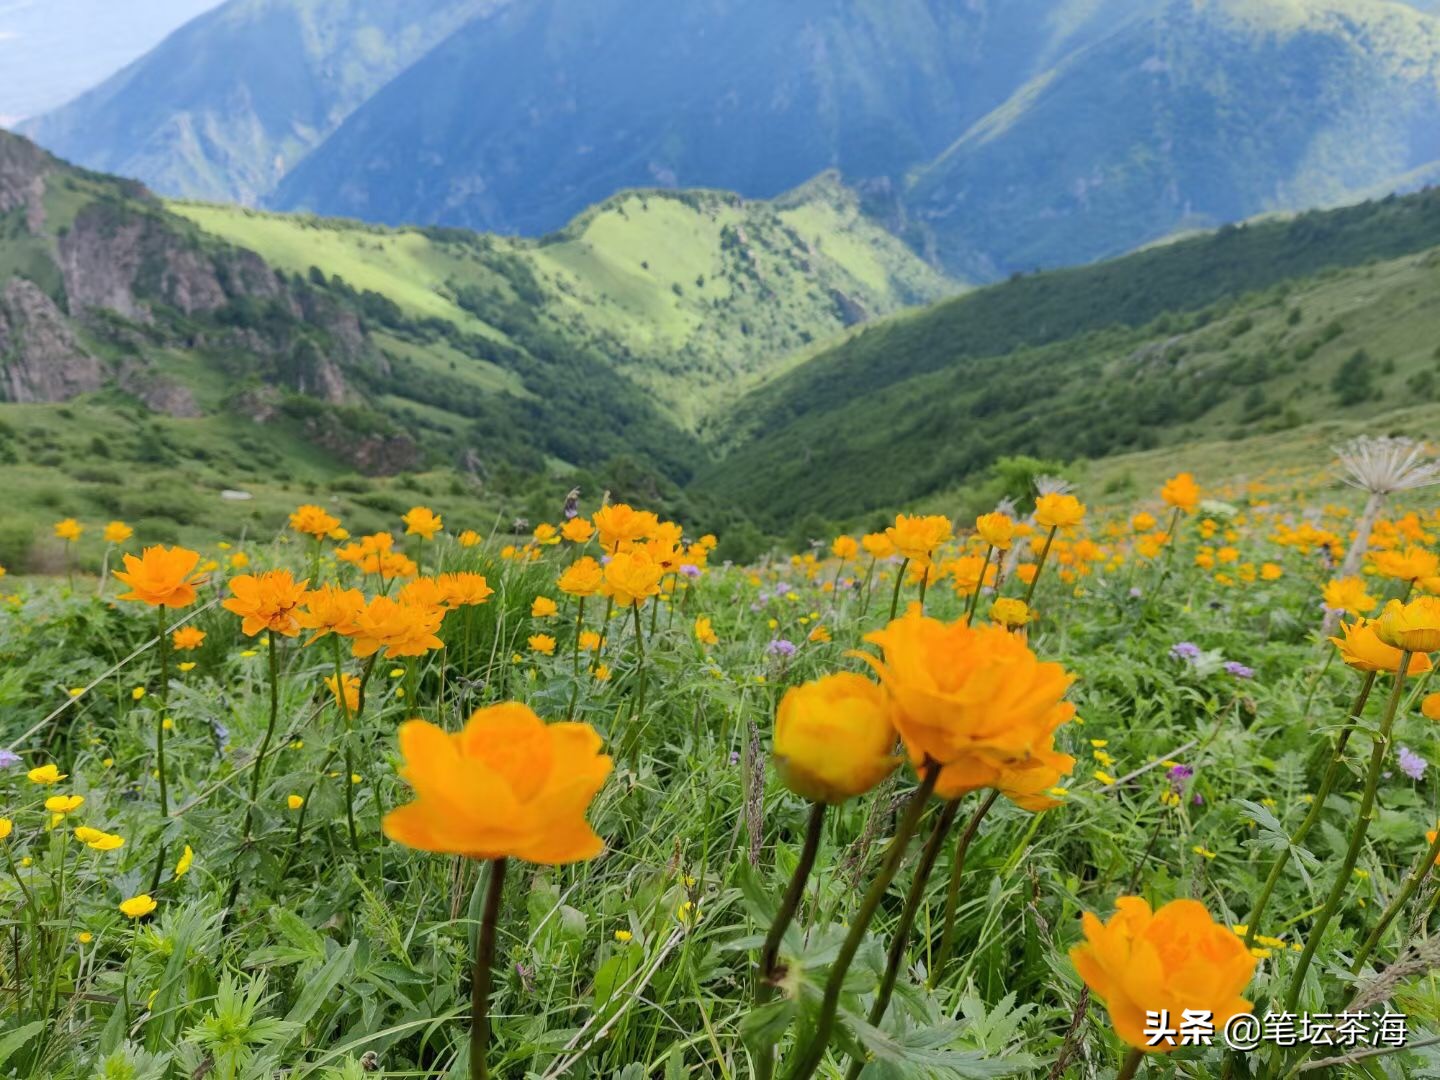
x: 422, y: 592
x: 542, y: 607
x: 1348, y: 595
x: 399, y: 629
x: 845, y: 547
x: 508, y: 785
x: 161, y: 577
x: 187, y: 638
x: 468, y: 538
x: 833, y: 738
x: 352, y: 692
x: 973, y: 698
x: 1056, y: 511
x: 329, y: 609
x: 1412, y: 564
x: 916, y: 537
x: 69, y: 530
x: 423, y: 522
x: 117, y: 532
x: 1362, y: 649
x: 620, y: 524
x: 1181, y: 492
x: 1142, y: 522
x: 878, y: 545
x: 266, y: 602
x: 1414, y: 627
x: 1173, y: 959
x: 542, y: 643
x: 997, y: 530
x: 464, y: 589
x: 631, y: 577
x: 577, y: 530
x: 582, y: 577
x: 313, y: 521
x: 1430, y: 706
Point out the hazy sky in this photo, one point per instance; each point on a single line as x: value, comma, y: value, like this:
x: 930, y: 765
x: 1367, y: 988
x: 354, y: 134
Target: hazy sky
x: 52, y: 50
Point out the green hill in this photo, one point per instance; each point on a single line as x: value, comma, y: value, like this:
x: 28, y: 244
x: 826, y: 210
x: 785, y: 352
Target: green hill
x: 1261, y: 327
x: 689, y: 294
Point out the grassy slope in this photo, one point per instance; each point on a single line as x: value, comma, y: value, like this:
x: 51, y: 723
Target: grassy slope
x: 687, y: 294
x: 950, y: 390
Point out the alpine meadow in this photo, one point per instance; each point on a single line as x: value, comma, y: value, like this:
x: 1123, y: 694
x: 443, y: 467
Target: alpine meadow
x: 720, y: 540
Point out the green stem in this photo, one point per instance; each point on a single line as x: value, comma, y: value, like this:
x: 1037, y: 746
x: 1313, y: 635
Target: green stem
x: 810, y: 1059
x: 901, y: 935
x: 1413, y: 882
x: 164, y: 694
x: 770, y: 953
x: 575, y: 661
x: 1317, y: 805
x: 952, y: 890
x: 1131, y: 1065
x: 1357, y: 838
x: 640, y: 656
x: 484, y: 967
x: 15, y: 872
x: 975, y: 596
x: 895, y: 595
x: 265, y: 742
x: 344, y: 703
x: 1040, y: 564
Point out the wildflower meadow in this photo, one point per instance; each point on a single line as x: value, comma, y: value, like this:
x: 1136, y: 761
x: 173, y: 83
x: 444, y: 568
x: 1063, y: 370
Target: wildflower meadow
x: 1076, y: 788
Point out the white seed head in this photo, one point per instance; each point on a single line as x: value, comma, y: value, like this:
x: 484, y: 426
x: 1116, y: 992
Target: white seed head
x: 1052, y: 485
x: 1382, y: 464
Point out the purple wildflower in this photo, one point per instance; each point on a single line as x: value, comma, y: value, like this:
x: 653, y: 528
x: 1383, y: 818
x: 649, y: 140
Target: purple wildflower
x: 1135, y: 592
x: 1239, y: 670
x: 9, y: 759
x: 1411, y: 763
x: 1180, y: 773
x: 782, y: 588
x: 1185, y: 650
x: 690, y: 570
x: 734, y: 757
x: 781, y: 647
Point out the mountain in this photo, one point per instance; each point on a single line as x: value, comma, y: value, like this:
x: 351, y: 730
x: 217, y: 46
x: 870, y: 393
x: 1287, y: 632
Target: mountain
x: 1268, y: 326
x: 51, y: 50
x: 1194, y: 116
x: 690, y: 295
x: 579, y: 101
x: 227, y: 104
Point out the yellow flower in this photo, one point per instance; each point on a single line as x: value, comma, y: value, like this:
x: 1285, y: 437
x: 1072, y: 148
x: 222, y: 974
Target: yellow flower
x: 1009, y: 612
x: 468, y: 538
x: 46, y: 774
x: 69, y: 530
x: 1348, y: 595
x: 582, y: 577
x: 294, y: 802
x: 267, y: 601
x: 161, y: 577
x: 543, y: 607
x: 997, y: 530
x: 1055, y: 511
x: 1430, y: 706
x: 137, y: 907
x: 311, y: 520
x: 187, y: 857
x: 577, y: 530
x: 833, y: 738
x: 621, y: 524
x: 1362, y: 649
x: 329, y: 609
x: 545, y: 533
x: 705, y: 632
x: 508, y: 785
x: 819, y: 635
x: 1412, y: 564
x: 878, y: 545
x: 84, y: 937
x: 137, y: 694
x: 631, y: 577
x: 621, y: 935
x: 542, y: 643
x: 845, y: 547
x: 602, y: 673
x: 979, y: 702
x: 64, y: 804
x: 187, y: 638
x: 1142, y: 522
x: 117, y: 532
x: 1414, y: 627
x: 400, y: 629
x: 916, y: 536
x: 1172, y: 959
x: 188, y: 665
x: 1181, y: 492
x: 6, y: 827
x: 423, y: 522
x: 106, y: 842
x: 590, y: 640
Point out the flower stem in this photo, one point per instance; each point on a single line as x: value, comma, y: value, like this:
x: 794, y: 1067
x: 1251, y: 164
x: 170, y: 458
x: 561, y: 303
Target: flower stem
x: 344, y: 703
x: 952, y: 891
x: 1040, y: 564
x: 928, y: 857
x: 265, y: 742
x: 484, y: 966
x: 975, y: 596
x: 810, y: 1059
x: 164, y: 705
x: 1131, y: 1065
x: 1317, y: 805
x: 1357, y: 837
x: 1413, y: 882
x: 770, y: 953
x: 895, y: 595
x: 640, y: 657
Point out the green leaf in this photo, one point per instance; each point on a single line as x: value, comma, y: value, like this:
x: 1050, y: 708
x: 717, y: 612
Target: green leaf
x: 763, y: 1028
x: 319, y: 986
x: 18, y: 1038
